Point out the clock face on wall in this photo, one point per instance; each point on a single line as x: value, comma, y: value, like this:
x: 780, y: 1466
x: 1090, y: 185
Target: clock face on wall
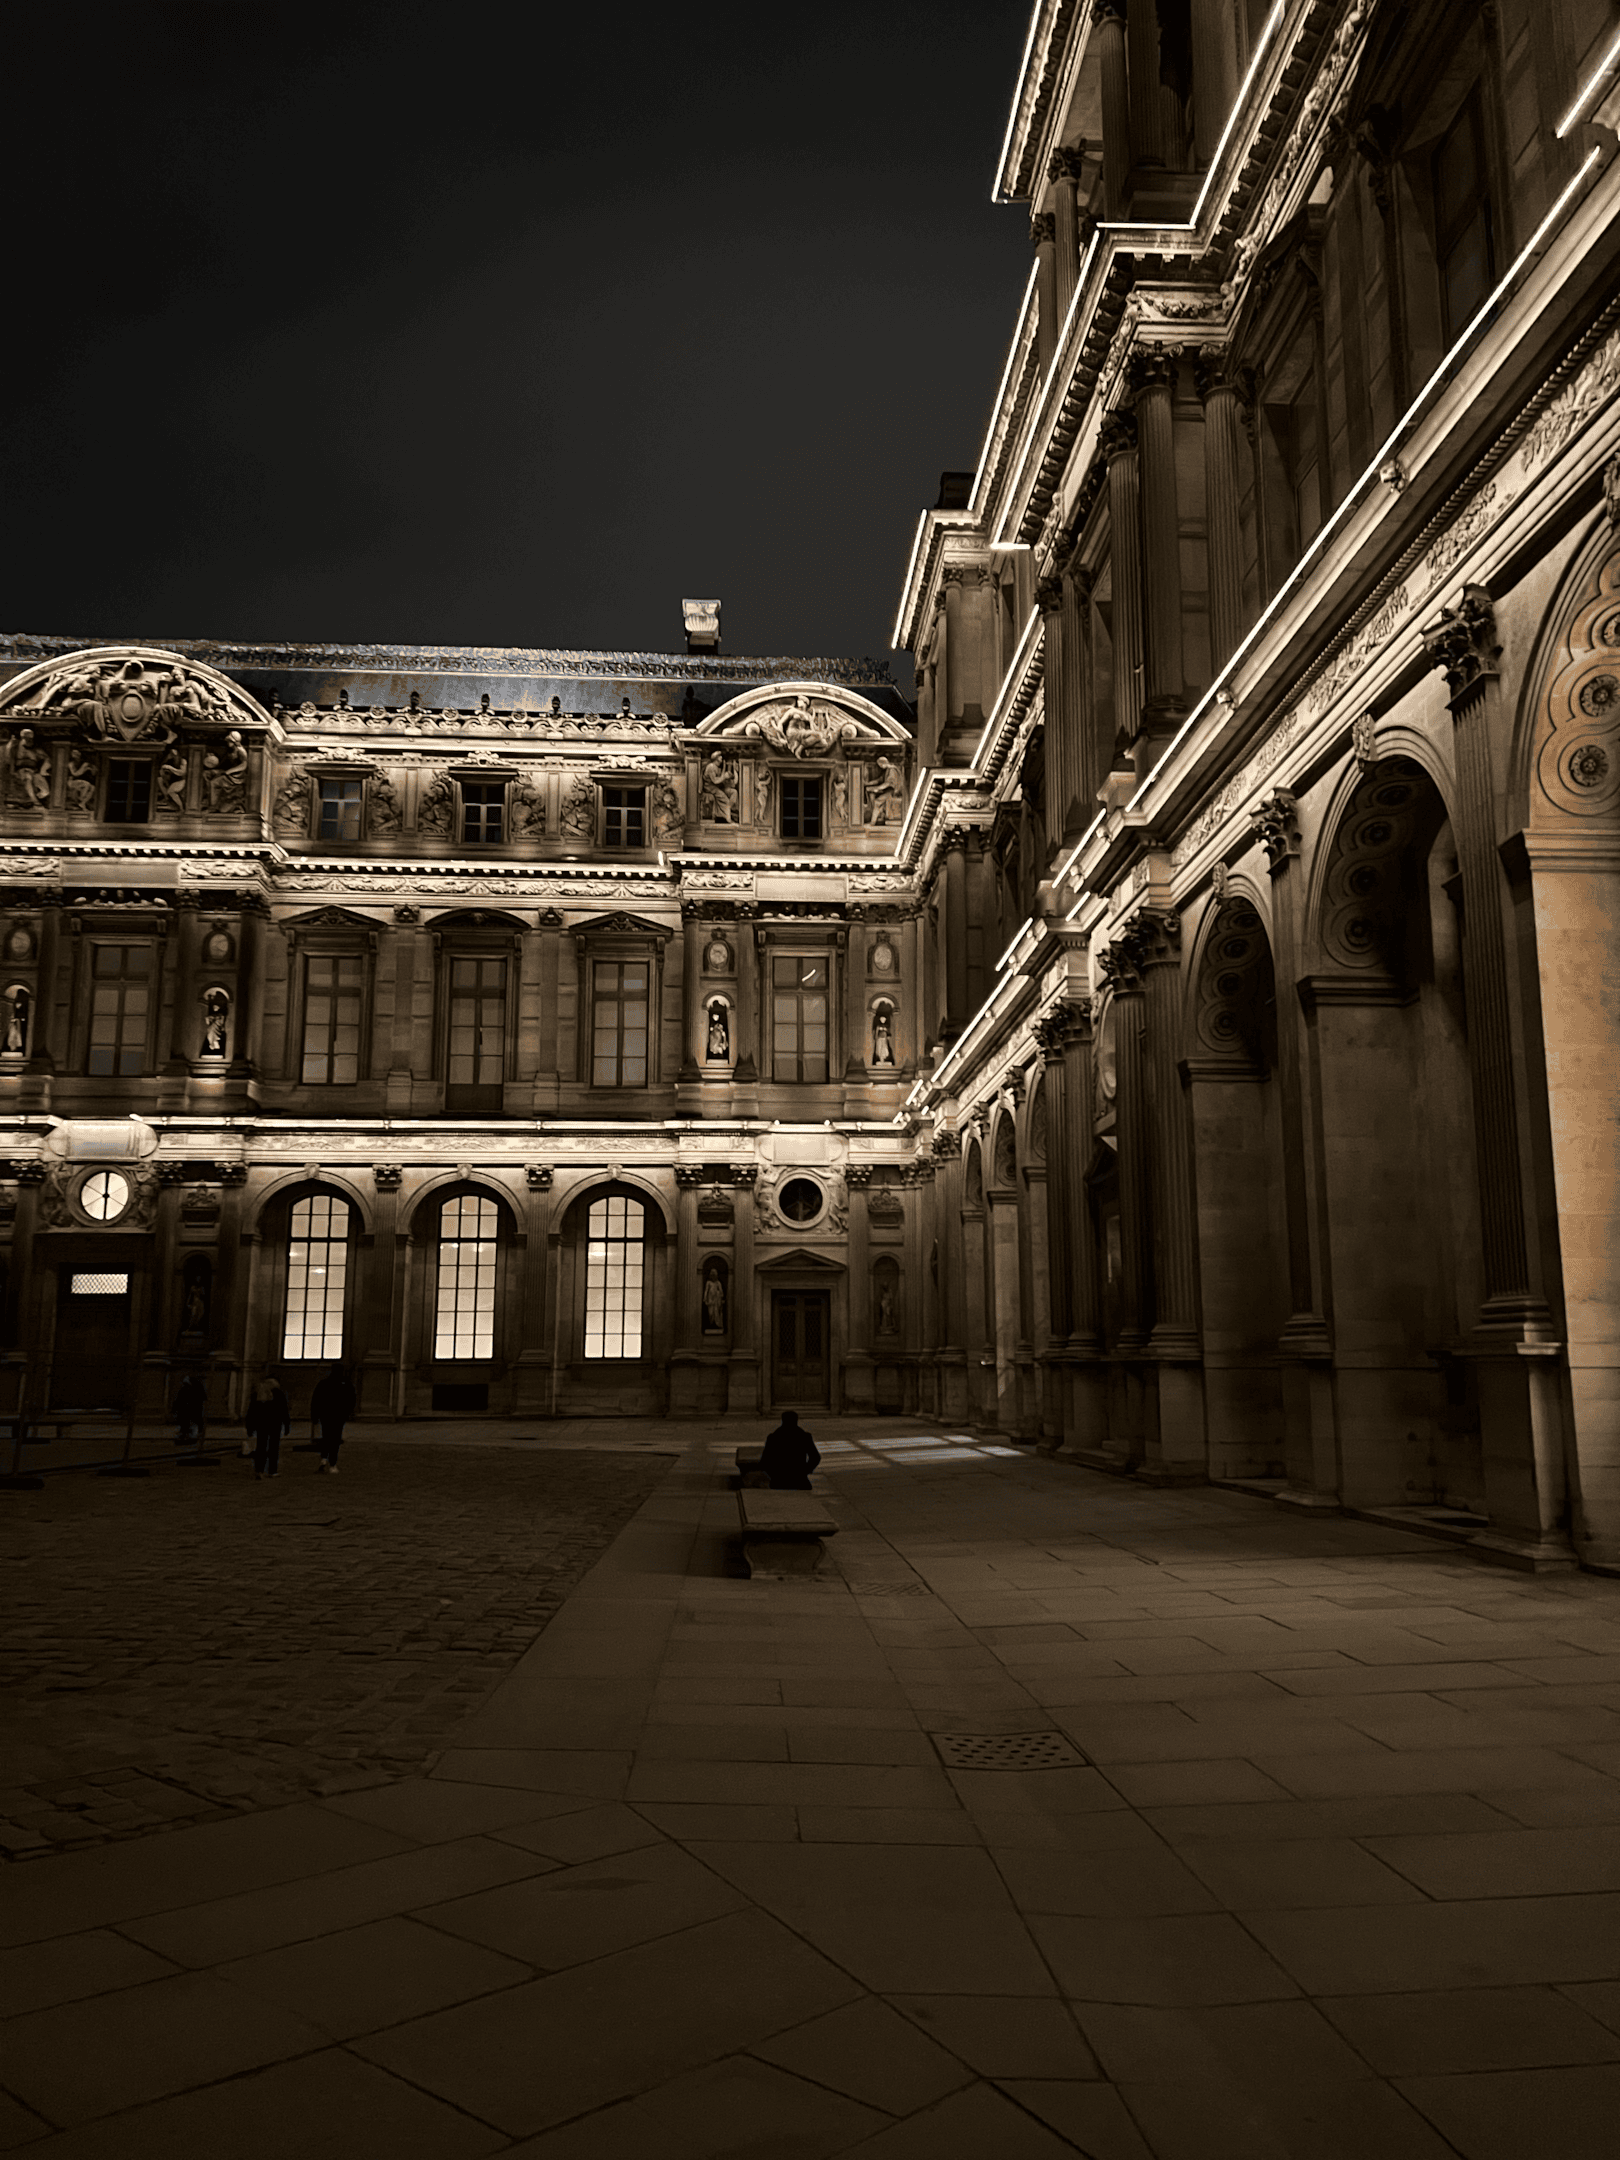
x: 104, y: 1195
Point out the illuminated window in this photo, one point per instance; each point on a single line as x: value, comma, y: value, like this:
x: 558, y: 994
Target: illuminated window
x: 465, y: 1320
x: 624, y: 817
x: 317, y: 1275
x: 334, y: 985
x: 341, y: 803
x: 120, y: 1009
x: 799, y: 1016
x: 613, y: 1266
x: 483, y: 812
x: 619, y: 1011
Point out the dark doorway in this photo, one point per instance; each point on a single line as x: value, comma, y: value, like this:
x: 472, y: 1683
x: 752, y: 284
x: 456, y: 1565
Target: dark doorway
x: 90, y: 1359
x: 800, y: 1365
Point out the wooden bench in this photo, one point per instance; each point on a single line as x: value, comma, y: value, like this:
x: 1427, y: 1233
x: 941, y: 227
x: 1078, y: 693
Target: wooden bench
x: 782, y: 1531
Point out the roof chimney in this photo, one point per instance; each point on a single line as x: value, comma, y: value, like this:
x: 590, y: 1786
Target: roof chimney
x: 702, y: 619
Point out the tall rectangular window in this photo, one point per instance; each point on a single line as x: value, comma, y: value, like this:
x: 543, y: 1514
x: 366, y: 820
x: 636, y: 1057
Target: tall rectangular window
x: 801, y: 808
x: 334, y: 986
x: 624, y: 817
x: 483, y: 812
x: 120, y: 1009
x: 620, y: 1008
x: 798, y: 1016
x: 613, y: 1268
x: 129, y: 791
x: 1463, y: 241
x: 465, y: 1318
x: 317, y: 1275
x: 477, y: 1046
x: 342, y: 801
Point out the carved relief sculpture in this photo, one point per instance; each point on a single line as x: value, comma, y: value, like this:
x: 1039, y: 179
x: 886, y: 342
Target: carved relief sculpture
x: 81, y: 781
x: 525, y: 810
x: 382, y: 808
x: 801, y: 729
x: 668, y: 817
x: 290, y: 816
x: 437, y: 810
x: 578, y: 817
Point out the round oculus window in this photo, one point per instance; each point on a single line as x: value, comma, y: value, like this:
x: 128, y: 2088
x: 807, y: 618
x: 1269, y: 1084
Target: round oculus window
x: 801, y: 1200
x: 104, y: 1195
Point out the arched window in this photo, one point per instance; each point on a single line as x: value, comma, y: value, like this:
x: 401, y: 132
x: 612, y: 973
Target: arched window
x: 317, y: 1277
x: 614, y: 1256
x: 465, y: 1318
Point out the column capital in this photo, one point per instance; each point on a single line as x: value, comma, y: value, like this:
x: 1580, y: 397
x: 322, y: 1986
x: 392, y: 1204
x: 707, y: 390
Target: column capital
x: 1107, y: 11
x: 538, y: 1177
x: 1150, y: 367
x: 858, y: 1174
x: 1274, y: 822
x: 1049, y: 595
x: 1463, y: 644
x: 689, y: 1176
x: 1066, y: 164
x: 1120, y: 967
x: 1117, y: 435
x: 388, y: 1177
x: 1042, y: 229
x: 1215, y: 370
x: 947, y: 1146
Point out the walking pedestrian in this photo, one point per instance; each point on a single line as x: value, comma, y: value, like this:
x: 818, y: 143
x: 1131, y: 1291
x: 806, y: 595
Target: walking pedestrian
x: 190, y: 1412
x: 789, y: 1455
x: 268, y: 1417
x: 330, y: 1408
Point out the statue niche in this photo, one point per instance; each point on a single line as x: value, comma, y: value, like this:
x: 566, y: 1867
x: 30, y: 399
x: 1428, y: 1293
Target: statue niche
x: 716, y: 1319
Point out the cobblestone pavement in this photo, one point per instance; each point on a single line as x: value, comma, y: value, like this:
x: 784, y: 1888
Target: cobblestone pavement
x: 193, y: 1643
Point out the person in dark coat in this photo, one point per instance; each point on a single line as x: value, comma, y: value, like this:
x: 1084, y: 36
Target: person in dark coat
x: 269, y: 1416
x: 789, y: 1455
x: 330, y: 1409
x: 190, y: 1411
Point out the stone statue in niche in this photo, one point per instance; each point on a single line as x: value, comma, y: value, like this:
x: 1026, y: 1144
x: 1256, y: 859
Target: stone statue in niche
x: 763, y: 778
x: 888, y: 1319
x: 224, y: 771
x: 81, y: 781
x: 714, y: 1299
x: 719, y: 1033
x: 216, y: 1013
x: 882, y: 1037
x: 27, y: 772
x: 720, y: 792
x: 885, y: 793
x: 171, y: 783
x: 16, y: 1042
x: 194, y: 1298
x: 840, y: 797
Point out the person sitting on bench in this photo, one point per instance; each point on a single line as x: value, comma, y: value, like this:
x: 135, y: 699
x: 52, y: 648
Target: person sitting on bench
x: 789, y: 1455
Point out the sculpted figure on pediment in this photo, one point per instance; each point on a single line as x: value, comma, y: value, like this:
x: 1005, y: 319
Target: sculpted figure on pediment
x: 144, y: 699
x: 224, y: 772
x: 800, y: 728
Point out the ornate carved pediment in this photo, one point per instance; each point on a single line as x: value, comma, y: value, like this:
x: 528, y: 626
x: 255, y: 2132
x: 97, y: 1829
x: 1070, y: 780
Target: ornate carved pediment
x: 621, y: 924
x: 129, y: 694
x: 802, y: 720
x: 331, y: 918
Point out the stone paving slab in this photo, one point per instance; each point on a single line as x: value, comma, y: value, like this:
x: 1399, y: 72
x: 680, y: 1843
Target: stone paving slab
x: 694, y: 1876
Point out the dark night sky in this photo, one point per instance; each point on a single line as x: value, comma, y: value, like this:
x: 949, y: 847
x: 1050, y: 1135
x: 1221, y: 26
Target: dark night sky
x: 453, y: 324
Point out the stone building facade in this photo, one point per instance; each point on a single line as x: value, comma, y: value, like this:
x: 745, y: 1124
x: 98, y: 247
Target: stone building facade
x: 1269, y: 745
x: 1187, y: 1040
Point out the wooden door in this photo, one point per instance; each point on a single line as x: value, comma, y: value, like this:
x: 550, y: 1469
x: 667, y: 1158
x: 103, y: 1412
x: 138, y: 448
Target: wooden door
x: 801, y: 1365
x: 90, y: 1360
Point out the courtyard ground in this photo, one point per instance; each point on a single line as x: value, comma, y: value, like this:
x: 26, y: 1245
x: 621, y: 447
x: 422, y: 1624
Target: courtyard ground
x: 1057, y: 1816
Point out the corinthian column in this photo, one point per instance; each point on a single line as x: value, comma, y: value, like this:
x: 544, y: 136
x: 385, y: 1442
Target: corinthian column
x: 1043, y: 238
x: 1108, y: 28
x: 1220, y: 394
x: 1049, y: 598
x: 1152, y: 377
x: 1125, y: 558
x: 1065, y: 170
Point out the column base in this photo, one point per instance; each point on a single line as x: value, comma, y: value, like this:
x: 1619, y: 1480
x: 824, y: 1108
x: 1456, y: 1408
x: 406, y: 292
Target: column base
x: 1544, y: 1556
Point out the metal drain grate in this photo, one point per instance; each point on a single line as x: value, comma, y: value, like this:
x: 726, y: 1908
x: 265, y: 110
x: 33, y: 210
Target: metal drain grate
x: 1008, y: 1751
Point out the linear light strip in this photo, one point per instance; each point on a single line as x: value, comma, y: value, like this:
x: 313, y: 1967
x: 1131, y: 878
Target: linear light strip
x: 1353, y: 497
x: 1028, y: 924
x: 1604, y: 67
